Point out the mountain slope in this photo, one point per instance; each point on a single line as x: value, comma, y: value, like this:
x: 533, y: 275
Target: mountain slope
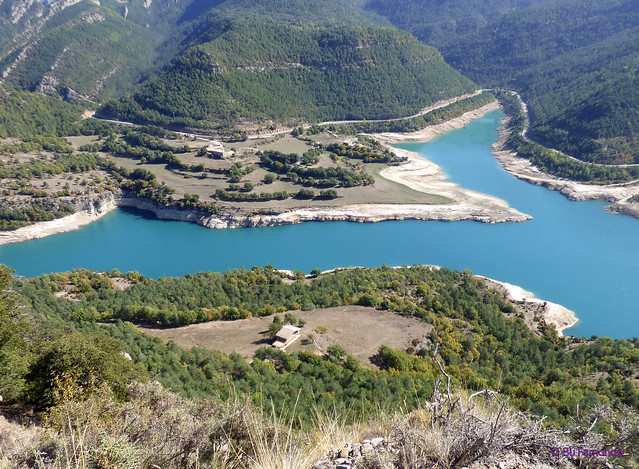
x: 576, y: 65
x: 95, y: 50
x: 437, y: 23
x: 257, y: 70
x: 82, y: 51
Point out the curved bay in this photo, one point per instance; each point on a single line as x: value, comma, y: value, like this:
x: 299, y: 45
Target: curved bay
x: 572, y: 253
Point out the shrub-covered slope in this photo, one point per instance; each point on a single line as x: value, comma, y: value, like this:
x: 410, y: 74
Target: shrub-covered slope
x: 575, y: 64
x: 258, y: 70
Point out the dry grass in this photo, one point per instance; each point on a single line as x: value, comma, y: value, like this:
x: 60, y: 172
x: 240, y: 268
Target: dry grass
x: 157, y: 428
x: 280, y: 447
x: 359, y: 329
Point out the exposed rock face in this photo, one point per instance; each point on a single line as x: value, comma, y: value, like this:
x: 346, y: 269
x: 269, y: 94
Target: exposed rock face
x: 96, y: 206
x: 384, y: 452
x: 20, y: 8
x: 369, y: 214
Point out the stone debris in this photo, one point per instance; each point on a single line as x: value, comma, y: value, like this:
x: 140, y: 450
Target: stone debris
x: 384, y: 453
x: 353, y: 456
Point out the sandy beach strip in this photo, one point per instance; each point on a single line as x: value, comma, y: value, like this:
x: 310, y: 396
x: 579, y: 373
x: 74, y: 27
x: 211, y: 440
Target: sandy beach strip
x: 61, y: 225
x: 553, y: 313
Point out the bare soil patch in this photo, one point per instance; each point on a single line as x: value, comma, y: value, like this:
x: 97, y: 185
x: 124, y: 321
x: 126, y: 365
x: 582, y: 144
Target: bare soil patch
x: 360, y: 330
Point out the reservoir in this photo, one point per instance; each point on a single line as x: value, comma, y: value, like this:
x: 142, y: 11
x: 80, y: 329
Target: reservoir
x: 572, y: 253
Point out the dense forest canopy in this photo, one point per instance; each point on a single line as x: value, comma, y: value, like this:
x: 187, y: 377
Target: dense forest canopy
x: 478, y: 334
x: 258, y: 70
x: 226, y: 62
x: 575, y: 63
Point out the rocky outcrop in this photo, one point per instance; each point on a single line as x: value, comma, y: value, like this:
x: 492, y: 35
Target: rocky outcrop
x: 385, y: 452
x: 370, y: 213
x: 619, y: 194
x: 356, y: 454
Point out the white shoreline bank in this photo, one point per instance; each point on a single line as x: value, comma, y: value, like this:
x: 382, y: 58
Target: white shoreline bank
x: 618, y: 194
x: 418, y: 174
x: 553, y: 313
x: 71, y: 222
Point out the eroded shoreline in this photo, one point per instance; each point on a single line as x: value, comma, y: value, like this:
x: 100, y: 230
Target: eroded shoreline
x: 552, y: 313
x: 618, y: 194
x: 418, y: 174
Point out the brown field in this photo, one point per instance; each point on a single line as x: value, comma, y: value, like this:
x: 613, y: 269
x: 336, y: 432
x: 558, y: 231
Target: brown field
x: 382, y: 191
x: 360, y: 330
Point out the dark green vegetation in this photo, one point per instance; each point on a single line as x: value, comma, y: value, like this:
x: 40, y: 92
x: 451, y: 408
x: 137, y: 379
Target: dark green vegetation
x: 553, y: 162
x: 321, y: 177
x: 438, y: 23
x: 265, y: 62
x: 46, y: 46
x: 257, y: 70
x: 575, y: 64
x: 36, y: 120
x: 413, y: 124
x: 36, y: 354
x: 478, y: 334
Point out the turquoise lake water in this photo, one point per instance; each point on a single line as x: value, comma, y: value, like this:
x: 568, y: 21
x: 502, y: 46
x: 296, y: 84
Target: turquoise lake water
x: 572, y: 253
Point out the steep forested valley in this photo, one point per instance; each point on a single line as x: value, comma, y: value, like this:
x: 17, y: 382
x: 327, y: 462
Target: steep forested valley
x: 210, y: 109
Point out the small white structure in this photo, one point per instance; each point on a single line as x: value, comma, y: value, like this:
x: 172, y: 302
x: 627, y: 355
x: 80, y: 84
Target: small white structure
x: 286, y: 336
x: 215, y: 149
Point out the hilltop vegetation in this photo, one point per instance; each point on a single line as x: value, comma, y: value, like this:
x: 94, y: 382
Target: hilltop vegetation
x: 28, y: 115
x: 476, y: 331
x: 575, y: 64
x: 66, y: 357
x: 255, y: 71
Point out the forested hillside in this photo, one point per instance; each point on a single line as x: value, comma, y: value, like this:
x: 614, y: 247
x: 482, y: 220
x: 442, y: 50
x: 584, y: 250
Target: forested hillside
x: 51, y: 56
x: 481, y: 338
x: 26, y: 115
x: 575, y: 63
x: 437, y: 23
x: 47, y: 46
x: 257, y: 70
x: 55, y: 353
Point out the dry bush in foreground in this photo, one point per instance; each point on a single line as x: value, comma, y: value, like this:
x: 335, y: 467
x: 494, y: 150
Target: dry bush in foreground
x: 157, y: 428
x: 154, y: 428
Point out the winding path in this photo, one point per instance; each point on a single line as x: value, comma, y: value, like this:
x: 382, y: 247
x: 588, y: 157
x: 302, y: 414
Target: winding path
x: 525, y: 136
x: 426, y: 110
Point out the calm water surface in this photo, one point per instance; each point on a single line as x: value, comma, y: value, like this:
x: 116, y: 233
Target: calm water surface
x: 573, y: 253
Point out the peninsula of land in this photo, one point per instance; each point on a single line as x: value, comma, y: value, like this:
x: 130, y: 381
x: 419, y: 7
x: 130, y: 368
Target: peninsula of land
x: 624, y: 197
x: 410, y: 188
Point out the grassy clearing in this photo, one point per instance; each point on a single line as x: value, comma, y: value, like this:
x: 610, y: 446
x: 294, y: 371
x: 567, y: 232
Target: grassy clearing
x: 360, y: 330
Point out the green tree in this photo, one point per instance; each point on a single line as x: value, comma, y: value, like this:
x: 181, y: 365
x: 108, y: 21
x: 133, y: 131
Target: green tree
x: 15, y: 354
x: 88, y: 361
x: 275, y: 327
